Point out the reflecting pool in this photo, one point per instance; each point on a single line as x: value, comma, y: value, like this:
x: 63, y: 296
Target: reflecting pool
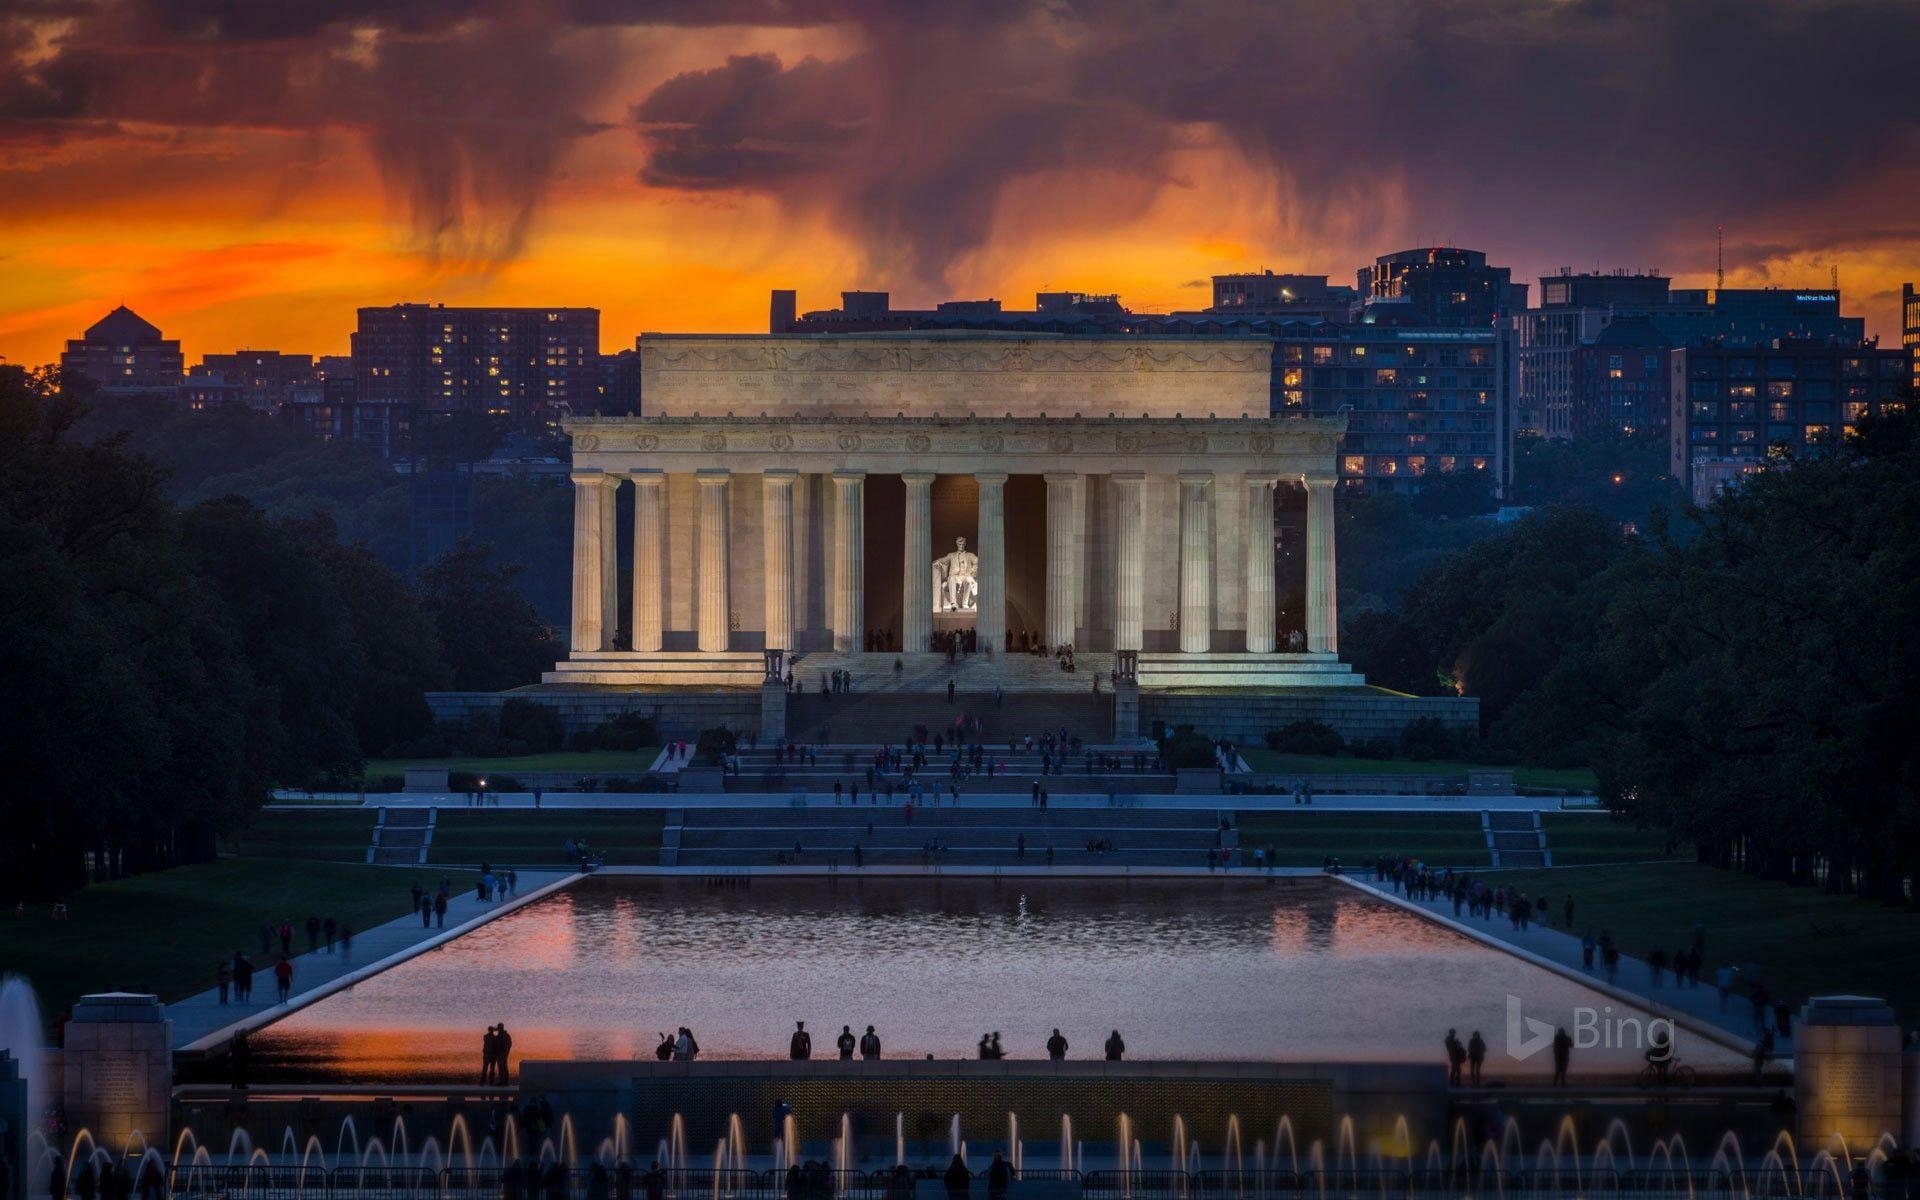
x: 1226, y: 968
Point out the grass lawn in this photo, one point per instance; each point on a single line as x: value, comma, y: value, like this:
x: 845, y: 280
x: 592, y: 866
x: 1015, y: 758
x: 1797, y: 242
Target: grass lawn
x: 1804, y: 941
x: 164, y: 932
x: 523, y: 837
x: 603, y: 762
x: 1267, y: 761
x: 315, y: 834
x: 1584, y: 839
x: 1304, y: 837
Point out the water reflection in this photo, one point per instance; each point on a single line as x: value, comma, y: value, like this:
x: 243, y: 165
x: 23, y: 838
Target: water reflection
x: 1212, y: 969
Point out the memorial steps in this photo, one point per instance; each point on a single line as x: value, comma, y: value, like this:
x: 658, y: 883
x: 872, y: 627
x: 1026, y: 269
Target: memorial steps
x: 1015, y: 672
x: 1014, y: 773
x: 966, y: 836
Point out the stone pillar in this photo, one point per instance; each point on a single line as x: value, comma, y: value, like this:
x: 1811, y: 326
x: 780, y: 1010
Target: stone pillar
x: 715, y: 608
x: 1323, y: 618
x: 1196, y: 562
x: 589, y: 560
x: 916, y: 574
x: 1847, y: 1065
x: 1130, y: 554
x: 610, y: 560
x: 990, y: 625
x: 849, y: 555
x: 1259, y: 555
x: 118, y: 1064
x: 776, y: 526
x: 649, y: 560
x: 1063, y: 556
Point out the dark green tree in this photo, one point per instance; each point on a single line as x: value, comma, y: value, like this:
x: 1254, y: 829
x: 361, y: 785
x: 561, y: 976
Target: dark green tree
x: 491, y: 637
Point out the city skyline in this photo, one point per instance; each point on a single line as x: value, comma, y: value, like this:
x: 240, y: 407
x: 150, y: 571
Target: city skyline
x: 249, y: 181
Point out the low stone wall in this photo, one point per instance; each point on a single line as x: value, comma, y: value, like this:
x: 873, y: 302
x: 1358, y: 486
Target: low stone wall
x: 679, y: 714
x: 1359, y: 714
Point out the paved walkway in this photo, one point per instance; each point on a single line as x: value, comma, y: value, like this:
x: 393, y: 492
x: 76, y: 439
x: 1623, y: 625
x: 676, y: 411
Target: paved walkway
x: 1060, y: 799
x: 1557, y: 950
x: 200, y: 1022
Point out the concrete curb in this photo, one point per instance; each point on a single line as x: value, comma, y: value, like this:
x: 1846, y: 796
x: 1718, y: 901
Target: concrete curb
x: 913, y: 871
x: 277, y: 1012
x: 1685, y: 1020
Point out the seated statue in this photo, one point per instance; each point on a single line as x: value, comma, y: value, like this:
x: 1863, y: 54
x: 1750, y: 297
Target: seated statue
x: 956, y: 581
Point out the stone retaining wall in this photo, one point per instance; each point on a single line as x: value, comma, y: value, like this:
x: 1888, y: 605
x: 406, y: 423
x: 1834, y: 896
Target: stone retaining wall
x: 1358, y: 714
x: 678, y: 714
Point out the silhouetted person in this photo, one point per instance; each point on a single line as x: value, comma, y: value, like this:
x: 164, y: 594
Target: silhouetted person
x: 655, y: 1182
x: 1456, y: 1057
x: 800, y: 1045
x: 1476, y: 1056
x: 846, y: 1043
x: 999, y: 1176
x: 900, y: 1184
x: 239, y: 1059
x: 1056, y: 1046
x: 870, y: 1044
x: 1562, y: 1054
x: 1116, y: 1047
x: 503, y: 1046
x: 957, y: 1178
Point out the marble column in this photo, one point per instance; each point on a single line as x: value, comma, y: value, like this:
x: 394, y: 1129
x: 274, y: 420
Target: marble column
x: 990, y: 625
x: 649, y: 560
x: 1323, y: 619
x: 610, y: 560
x: 1130, y: 558
x: 715, y: 610
x: 849, y: 554
x: 1259, y: 555
x: 1063, y: 556
x: 1196, y: 562
x: 776, y: 529
x: 589, y: 559
x: 916, y: 574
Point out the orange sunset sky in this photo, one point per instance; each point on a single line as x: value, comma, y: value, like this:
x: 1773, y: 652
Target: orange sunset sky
x: 246, y: 173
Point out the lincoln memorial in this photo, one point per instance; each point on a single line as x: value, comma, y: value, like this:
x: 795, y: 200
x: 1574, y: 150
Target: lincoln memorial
x: 866, y: 498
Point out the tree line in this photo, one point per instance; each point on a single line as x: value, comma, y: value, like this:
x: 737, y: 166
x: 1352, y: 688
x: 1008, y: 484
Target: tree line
x: 168, y: 664
x: 1744, y: 675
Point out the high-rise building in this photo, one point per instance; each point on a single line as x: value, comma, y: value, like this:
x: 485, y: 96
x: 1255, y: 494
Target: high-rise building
x: 1292, y: 296
x: 1573, y: 309
x: 1420, y: 400
x: 620, y: 383
x: 522, y: 366
x: 126, y: 355
x: 263, y: 380
x: 1744, y: 404
x: 1621, y: 381
x: 1910, y: 327
x: 1440, y: 285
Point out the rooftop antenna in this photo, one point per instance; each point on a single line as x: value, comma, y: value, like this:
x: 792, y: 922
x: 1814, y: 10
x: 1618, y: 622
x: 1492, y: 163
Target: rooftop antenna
x: 1833, y: 273
x: 1719, y: 257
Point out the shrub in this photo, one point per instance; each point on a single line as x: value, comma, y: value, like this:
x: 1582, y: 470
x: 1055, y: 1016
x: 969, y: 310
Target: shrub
x: 626, y: 732
x: 1373, y: 748
x: 715, y: 743
x: 1426, y: 738
x: 532, y: 724
x: 1185, y: 748
x: 1306, y: 737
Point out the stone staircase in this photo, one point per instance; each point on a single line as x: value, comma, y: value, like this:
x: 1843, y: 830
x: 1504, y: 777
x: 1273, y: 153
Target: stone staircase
x: 401, y: 836
x: 891, y: 715
x: 1516, y: 839
x: 1014, y: 772
x: 731, y: 837
x: 979, y: 673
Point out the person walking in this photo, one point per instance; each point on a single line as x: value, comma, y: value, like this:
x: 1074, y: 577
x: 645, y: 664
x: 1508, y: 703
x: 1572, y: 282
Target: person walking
x: 283, y: 977
x: 223, y: 977
x: 1476, y: 1057
x: 870, y: 1044
x: 1562, y: 1055
x: 1456, y: 1057
x: 846, y: 1043
x: 440, y: 909
x: 800, y: 1045
x: 242, y: 978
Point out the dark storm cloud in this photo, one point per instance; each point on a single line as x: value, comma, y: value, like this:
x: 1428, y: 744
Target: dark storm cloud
x: 1601, y: 125
x: 1609, y: 128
